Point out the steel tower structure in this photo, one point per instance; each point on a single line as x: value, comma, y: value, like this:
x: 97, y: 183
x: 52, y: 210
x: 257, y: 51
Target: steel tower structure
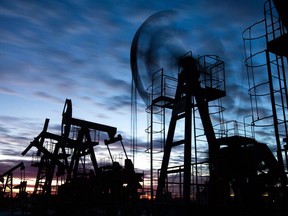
x: 197, y: 85
x: 266, y: 49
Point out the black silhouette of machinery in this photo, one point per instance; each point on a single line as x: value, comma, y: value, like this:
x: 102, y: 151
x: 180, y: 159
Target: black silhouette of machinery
x: 182, y: 108
x: 84, y: 144
x: 249, y: 170
x: 267, y: 78
x: 7, y: 189
x: 69, y: 159
x: 46, y: 159
x: 112, y: 182
x: 241, y: 170
x: 214, y: 168
x: 281, y: 7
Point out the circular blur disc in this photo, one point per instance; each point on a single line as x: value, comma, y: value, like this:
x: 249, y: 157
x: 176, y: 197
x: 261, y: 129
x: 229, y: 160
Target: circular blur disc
x: 153, y: 42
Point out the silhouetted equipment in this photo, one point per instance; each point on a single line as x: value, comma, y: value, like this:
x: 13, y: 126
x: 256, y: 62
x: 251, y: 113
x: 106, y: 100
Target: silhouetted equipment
x: 8, y: 185
x: 277, y: 27
x: 281, y: 7
x: 214, y: 168
x: 46, y: 159
x: 240, y: 171
x: 267, y: 75
x: 248, y: 170
x: 79, y: 178
x: 111, y: 181
x: 68, y: 121
x: 189, y: 87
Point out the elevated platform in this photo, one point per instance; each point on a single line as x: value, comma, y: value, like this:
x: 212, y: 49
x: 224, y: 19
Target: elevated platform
x: 164, y: 102
x: 208, y: 93
x: 279, y: 46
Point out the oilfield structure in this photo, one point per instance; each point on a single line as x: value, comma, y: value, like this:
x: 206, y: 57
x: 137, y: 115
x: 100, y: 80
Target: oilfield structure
x: 200, y: 163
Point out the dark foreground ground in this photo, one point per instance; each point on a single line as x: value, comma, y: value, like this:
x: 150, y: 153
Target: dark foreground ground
x: 37, y: 207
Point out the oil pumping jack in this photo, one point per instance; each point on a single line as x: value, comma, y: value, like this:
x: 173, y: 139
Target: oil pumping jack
x: 111, y: 180
x: 72, y: 151
x: 7, y: 189
x: 244, y: 164
x: 236, y: 162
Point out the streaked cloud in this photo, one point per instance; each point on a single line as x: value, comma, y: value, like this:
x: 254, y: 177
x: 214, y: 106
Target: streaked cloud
x: 80, y: 50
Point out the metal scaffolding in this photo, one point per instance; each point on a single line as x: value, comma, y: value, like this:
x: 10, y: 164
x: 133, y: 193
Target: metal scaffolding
x: 166, y: 97
x: 266, y: 51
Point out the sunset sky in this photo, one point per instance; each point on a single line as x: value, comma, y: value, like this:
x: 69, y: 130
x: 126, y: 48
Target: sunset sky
x: 53, y: 50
